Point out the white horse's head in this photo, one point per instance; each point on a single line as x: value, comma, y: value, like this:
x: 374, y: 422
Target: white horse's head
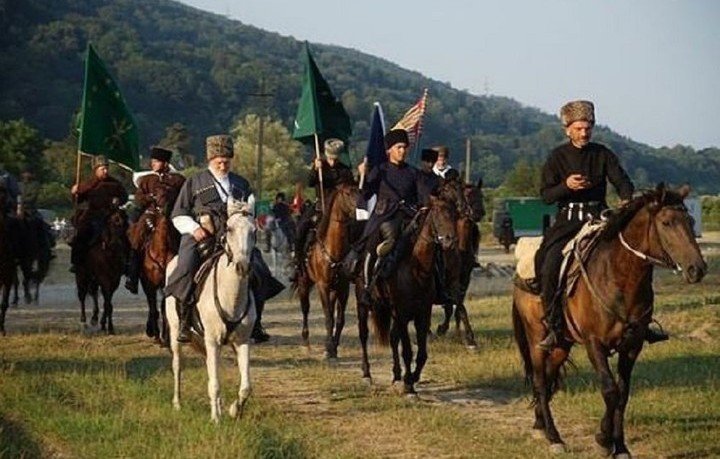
x: 240, y: 234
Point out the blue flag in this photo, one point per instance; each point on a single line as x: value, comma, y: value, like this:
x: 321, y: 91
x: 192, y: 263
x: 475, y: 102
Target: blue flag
x: 375, y: 152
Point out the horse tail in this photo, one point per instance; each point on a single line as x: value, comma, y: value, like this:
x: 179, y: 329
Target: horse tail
x: 381, y: 316
x: 522, y: 342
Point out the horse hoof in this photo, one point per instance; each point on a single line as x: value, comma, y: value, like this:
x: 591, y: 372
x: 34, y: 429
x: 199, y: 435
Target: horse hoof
x: 471, y: 346
x: 557, y: 448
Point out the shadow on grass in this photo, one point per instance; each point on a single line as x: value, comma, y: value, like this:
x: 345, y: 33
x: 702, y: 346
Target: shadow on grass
x: 140, y: 368
x: 15, y: 441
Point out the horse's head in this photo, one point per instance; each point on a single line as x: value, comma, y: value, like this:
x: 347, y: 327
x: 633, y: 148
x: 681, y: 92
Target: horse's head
x: 441, y: 217
x: 661, y: 218
x: 239, y: 235
x: 344, y: 200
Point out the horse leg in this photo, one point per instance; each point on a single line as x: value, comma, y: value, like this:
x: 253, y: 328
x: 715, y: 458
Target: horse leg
x: 27, y: 278
x: 4, y: 306
x: 395, y: 346
x: 15, y: 287
x: 96, y: 307
x: 341, y: 299
x: 445, y: 325
x: 542, y: 395
x: 211, y: 360
x: 242, y: 354
x: 173, y: 323
x: 461, y: 315
x: 611, y: 394
x: 107, y: 294
x: 82, y: 294
x: 304, y: 295
x: 151, y: 326
x: 626, y: 362
x: 165, y: 330
x: 422, y: 326
x: 409, y: 387
x: 329, y: 310
x: 363, y: 332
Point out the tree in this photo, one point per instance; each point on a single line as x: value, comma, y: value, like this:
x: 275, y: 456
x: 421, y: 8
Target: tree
x: 523, y: 179
x: 21, y: 146
x: 177, y: 138
x: 282, y: 161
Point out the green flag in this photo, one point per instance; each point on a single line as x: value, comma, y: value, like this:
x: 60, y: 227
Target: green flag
x: 319, y: 112
x: 106, y: 125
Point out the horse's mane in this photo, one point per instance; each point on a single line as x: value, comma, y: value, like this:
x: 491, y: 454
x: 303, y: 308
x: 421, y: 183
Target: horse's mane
x: 618, y: 220
x: 325, y: 220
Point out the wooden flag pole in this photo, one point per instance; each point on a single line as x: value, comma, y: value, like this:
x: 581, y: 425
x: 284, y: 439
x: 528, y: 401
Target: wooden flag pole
x: 362, y: 176
x: 320, y: 175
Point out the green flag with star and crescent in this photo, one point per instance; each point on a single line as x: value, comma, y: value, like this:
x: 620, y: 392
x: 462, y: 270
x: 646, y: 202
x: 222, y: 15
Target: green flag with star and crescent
x: 106, y: 125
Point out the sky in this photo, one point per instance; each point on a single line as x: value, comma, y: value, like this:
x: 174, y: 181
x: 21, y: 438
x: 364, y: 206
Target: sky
x: 652, y: 67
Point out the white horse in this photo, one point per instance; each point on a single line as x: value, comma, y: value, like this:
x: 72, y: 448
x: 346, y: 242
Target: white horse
x: 226, y: 309
x: 279, y: 244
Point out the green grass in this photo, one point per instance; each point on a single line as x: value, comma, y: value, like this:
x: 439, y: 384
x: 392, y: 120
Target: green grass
x: 70, y: 395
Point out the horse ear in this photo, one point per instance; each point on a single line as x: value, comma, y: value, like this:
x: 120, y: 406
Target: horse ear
x: 684, y: 190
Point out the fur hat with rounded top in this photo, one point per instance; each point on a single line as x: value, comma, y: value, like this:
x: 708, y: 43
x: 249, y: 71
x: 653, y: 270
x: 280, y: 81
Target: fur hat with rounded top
x: 396, y: 136
x: 428, y: 155
x: 219, y: 145
x: 160, y: 153
x: 100, y: 161
x: 333, y: 147
x: 577, y: 110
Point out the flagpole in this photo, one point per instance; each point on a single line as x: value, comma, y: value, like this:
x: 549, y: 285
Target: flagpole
x: 320, y: 175
x: 362, y: 176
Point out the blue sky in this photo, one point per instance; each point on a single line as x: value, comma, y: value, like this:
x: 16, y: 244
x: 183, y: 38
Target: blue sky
x: 652, y: 67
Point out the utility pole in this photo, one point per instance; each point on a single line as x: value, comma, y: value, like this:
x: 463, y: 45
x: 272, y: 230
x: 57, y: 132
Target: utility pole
x: 468, y: 148
x: 261, y: 132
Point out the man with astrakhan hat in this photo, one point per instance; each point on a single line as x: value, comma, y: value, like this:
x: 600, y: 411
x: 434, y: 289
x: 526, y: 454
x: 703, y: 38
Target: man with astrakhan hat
x: 575, y: 177
x: 156, y: 193
x: 200, y: 214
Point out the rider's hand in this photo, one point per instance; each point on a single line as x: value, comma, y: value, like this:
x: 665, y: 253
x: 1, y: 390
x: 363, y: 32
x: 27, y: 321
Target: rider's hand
x: 361, y: 168
x: 577, y: 182
x: 317, y: 164
x: 200, y: 234
x: 73, y: 189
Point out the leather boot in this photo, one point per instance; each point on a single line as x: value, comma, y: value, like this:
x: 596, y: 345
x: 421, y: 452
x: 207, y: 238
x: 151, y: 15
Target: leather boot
x: 655, y: 336
x: 185, y: 331
x: 133, y: 272
x: 554, y: 322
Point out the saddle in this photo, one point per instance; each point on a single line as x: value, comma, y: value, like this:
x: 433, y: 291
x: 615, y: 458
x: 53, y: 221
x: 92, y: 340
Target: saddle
x: 575, y: 254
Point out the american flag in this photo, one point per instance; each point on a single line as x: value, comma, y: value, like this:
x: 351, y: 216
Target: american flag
x: 412, y: 120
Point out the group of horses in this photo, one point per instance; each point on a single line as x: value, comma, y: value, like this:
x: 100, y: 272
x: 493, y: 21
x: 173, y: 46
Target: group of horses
x: 607, y: 310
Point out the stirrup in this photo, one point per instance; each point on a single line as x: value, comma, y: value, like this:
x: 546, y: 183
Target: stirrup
x: 549, y: 342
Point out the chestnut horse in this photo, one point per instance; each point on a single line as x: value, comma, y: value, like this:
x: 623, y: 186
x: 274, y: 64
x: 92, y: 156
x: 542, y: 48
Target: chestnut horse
x: 609, y: 308
x: 322, y: 268
x: 102, y: 268
x: 407, y: 294
x: 159, y: 247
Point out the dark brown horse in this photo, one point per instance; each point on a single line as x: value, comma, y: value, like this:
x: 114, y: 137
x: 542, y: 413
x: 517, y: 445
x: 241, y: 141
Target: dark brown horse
x: 610, y: 307
x: 460, y: 261
x: 160, y: 246
x: 7, y: 260
x: 322, y: 268
x: 102, y: 268
x: 33, y: 260
x: 407, y: 294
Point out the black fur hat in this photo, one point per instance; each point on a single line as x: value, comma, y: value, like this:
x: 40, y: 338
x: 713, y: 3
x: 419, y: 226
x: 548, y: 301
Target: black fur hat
x: 160, y: 153
x: 396, y: 136
x: 429, y: 155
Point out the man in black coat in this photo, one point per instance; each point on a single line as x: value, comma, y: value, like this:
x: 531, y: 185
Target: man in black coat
x: 574, y: 176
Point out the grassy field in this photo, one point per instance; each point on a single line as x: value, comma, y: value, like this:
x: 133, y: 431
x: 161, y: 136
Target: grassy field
x: 68, y: 394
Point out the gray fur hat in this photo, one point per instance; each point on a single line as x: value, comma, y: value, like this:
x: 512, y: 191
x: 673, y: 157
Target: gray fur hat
x: 333, y: 147
x: 219, y: 145
x: 577, y: 110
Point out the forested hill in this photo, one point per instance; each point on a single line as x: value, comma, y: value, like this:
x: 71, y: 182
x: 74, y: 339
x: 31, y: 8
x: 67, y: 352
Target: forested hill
x: 178, y: 64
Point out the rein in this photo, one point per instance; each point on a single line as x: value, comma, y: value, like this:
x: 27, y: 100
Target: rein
x: 230, y: 322
x: 649, y: 258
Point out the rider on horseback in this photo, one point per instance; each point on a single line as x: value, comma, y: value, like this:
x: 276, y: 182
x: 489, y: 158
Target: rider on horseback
x: 199, y: 214
x: 96, y: 199
x: 574, y: 176
x: 30, y: 191
x: 397, y: 185
x: 156, y: 192
x: 334, y: 173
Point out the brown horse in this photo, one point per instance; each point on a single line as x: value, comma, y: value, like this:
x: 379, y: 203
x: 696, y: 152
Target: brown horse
x: 102, y: 268
x: 322, y: 267
x: 460, y: 261
x: 7, y: 261
x: 160, y: 246
x: 609, y: 308
x: 33, y: 260
x: 407, y: 294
